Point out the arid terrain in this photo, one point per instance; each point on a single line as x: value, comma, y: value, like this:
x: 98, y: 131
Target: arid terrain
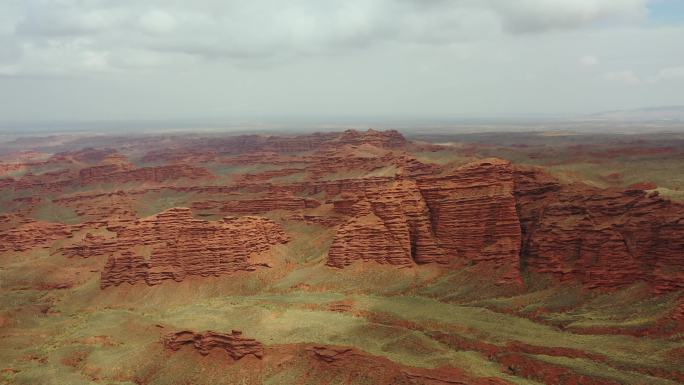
x: 347, y: 257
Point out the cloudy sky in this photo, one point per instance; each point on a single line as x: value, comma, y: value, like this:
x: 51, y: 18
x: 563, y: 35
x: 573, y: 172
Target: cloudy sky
x: 178, y: 59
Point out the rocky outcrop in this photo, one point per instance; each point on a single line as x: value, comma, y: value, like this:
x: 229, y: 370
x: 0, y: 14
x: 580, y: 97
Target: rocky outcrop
x: 28, y: 234
x: 251, y: 144
x: 91, y: 245
x: 182, y: 246
x: 126, y: 268
x: 366, y: 237
x: 234, y: 343
x: 602, y: 238
x: 114, y: 174
x: 469, y: 213
x: 380, y: 139
x: 257, y: 205
x: 473, y: 212
x: 388, y: 224
x: 88, y: 174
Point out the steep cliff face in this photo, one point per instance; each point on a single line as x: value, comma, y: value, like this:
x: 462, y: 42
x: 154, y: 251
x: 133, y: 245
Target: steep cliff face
x: 388, y: 224
x: 181, y: 246
x: 469, y: 213
x: 232, y: 343
x: 602, y: 238
x: 366, y: 237
x: 473, y: 212
x: 489, y: 212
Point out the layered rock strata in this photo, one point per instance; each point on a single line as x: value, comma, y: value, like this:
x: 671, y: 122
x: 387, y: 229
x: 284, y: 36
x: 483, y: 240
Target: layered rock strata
x: 602, y: 238
x: 258, y: 205
x: 114, y: 174
x: 232, y: 343
x: 181, y: 246
x: 469, y: 213
x: 386, y: 225
x: 28, y: 234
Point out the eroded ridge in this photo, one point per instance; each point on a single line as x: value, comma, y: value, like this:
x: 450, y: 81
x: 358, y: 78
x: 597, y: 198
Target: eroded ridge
x: 232, y: 343
x: 182, y: 246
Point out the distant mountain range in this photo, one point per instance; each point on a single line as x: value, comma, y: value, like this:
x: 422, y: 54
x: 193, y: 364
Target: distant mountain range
x: 665, y: 113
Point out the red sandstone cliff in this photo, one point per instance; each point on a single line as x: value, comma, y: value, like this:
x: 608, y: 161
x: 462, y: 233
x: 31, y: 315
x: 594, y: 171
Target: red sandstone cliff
x: 25, y: 234
x: 388, y: 224
x: 469, y: 213
x: 473, y: 213
x: 603, y: 238
x: 180, y: 246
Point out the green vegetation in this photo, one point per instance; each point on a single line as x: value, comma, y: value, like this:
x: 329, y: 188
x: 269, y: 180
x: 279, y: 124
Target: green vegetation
x: 58, y: 327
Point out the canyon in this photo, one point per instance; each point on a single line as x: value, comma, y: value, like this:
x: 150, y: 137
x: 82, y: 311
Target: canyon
x: 427, y: 262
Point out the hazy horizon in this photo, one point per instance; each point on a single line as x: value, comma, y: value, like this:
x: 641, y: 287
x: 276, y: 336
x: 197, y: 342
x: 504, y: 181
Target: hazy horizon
x: 114, y: 61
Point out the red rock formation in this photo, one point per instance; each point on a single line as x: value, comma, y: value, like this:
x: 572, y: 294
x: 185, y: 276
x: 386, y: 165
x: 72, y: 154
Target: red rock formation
x: 469, y: 213
x: 109, y: 206
x: 29, y: 234
x: 366, y: 237
x: 526, y: 366
x: 6, y: 168
x: 603, y: 238
x: 473, y: 211
x: 323, y: 220
x: 384, y: 371
x: 388, y: 224
x: 114, y: 174
x: 98, y: 172
x: 381, y: 139
x: 90, y: 246
x: 182, y: 246
x: 234, y: 344
x: 248, y: 144
x: 266, y: 175
x: 257, y: 205
x: 85, y: 155
x: 125, y: 268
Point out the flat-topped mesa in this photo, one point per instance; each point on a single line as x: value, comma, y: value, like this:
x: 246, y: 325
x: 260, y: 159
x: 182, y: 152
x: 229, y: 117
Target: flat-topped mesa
x: 602, y: 238
x: 381, y: 139
x: 473, y: 213
x: 233, y: 343
x: 252, y: 144
x: 182, y: 246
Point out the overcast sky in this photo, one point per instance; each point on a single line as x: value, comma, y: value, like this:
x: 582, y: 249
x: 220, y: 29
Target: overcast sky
x: 139, y: 59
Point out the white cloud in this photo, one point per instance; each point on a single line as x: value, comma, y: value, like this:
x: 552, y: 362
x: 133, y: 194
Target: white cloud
x: 101, y: 59
x: 588, y: 61
x: 670, y: 73
x: 625, y: 77
x: 158, y: 21
x: 266, y: 30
